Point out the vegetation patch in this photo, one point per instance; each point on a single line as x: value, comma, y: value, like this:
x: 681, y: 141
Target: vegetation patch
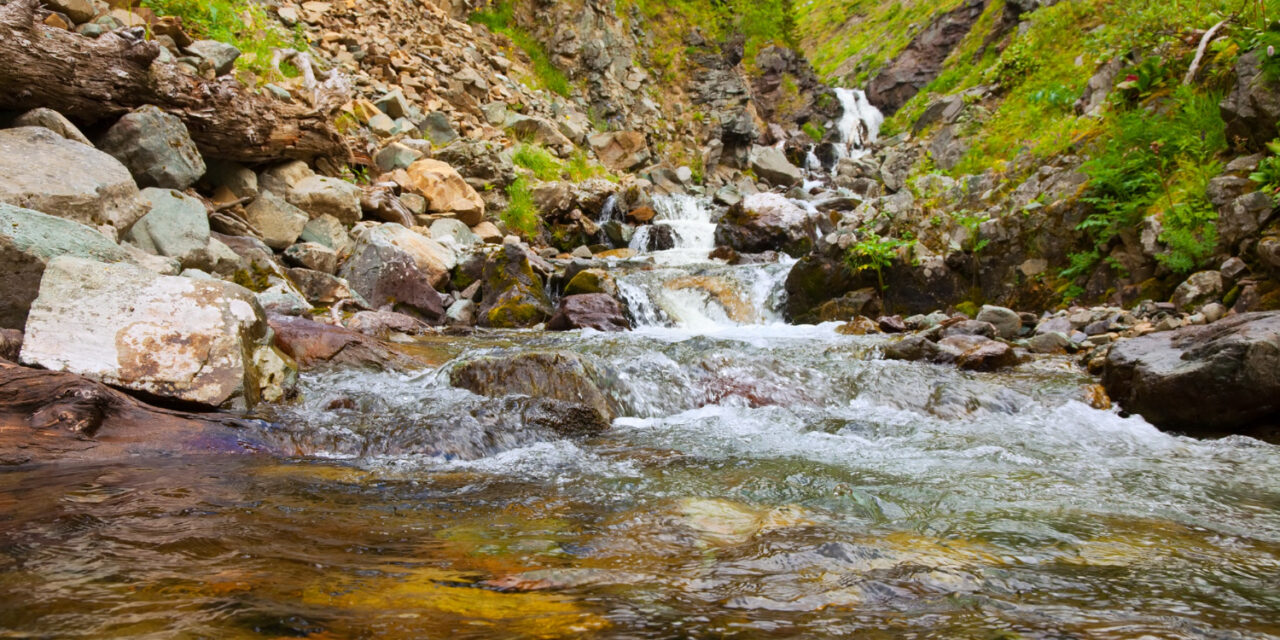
x: 244, y: 24
x: 500, y: 18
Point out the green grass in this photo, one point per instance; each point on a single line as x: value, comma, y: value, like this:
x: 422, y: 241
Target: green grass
x: 242, y: 23
x: 521, y: 215
x: 500, y: 18
x: 538, y: 160
x: 857, y: 38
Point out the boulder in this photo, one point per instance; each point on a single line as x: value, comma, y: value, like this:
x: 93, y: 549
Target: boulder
x: 555, y: 375
x: 282, y: 178
x: 78, y: 10
x: 1252, y: 109
x: 591, y: 281
x: 28, y: 241
x: 220, y: 55
x: 236, y: 178
x: 1007, y: 322
x: 455, y: 232
x: 969, y: 328
x: 770, y: 164
x: 320, y: 195
x: 156, y: 148
x: 278, y: 222
x: 513, y: 294
x: 446, y: 191
x: 620, y: 151
x: 53, y: 121
x: 382, y: 323
x: 312, y: 344
x: 396, y: 156
x: 979, y: 353
x: 312, y: 255
x: 70, y: 180
x: 323, y: 289
x: 385, y: 274
x: 769, y: 222
x: 589, y: 311
x: 540, y: 132
x: 432, y: 258
x: 1223, y: 376
x: 328, y: 231
x: 1200, y: 288
x: 177, y: 227
x: 200, y: 341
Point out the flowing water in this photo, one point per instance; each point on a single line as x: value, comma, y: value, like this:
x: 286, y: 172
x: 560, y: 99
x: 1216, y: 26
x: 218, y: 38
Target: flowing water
x: 761, y: 481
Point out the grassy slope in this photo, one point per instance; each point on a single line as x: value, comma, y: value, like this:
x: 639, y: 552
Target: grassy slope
x: 848, y: 41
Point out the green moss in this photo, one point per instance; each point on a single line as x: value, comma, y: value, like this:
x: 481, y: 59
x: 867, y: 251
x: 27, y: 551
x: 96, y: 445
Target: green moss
x: 856, y: 38
x: 515, y: 314
x: 814, y: 130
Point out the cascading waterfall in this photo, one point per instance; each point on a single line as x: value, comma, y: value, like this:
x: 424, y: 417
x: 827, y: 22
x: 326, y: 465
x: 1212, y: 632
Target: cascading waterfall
x: 859, y: 123
x: 693, y: 234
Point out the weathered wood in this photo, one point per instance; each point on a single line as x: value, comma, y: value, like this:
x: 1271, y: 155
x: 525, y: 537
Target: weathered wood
x: 89, y: 80
x: 52, y: 416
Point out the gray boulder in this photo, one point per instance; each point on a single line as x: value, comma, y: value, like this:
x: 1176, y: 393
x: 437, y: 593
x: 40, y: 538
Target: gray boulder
x: 278, y: 222
x: 769, y: 222
x: 328, y: 231
x: 42, y: 170
x: 1198, y: 289
x: 220, y: 55
x: 53, y: 121
x: 177, y: 227
x: 28, y: 241
x: 1219, y: 377
x: 385, y: 274
x: 319, y: 195
x: 555, y: 375
x: 200, y: 341
x: 156, y: 148
x: 1252, y: 109
x: 1007, y: 322
x: 770, y: 164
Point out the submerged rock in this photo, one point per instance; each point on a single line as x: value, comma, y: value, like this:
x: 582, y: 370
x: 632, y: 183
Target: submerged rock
x: 1219, y: 377
x: 312, y: 344
x: 199, y: 341
x: 557, y: 375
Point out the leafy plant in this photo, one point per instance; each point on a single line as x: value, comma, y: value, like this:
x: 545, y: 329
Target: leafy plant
x: 1267, y: 175
x: 873, y: 252
x: 1141, y: 80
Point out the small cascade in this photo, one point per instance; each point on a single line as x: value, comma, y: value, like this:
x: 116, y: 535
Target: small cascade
x: 687, y: 220
x: 611, y: 212
x: 860, y: 122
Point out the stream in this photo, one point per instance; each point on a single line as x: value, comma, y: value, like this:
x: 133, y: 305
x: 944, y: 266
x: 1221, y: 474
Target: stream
x: 762, y: 480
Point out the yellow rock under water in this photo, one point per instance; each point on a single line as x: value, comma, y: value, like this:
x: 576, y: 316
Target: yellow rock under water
x: 724, y: 292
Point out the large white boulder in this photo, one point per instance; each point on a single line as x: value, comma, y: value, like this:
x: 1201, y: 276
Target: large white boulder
x: 199, y: 341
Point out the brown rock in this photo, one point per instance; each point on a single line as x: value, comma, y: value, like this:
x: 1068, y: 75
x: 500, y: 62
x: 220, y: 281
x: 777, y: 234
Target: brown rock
x: 446, y: 191
x: 589, y: 310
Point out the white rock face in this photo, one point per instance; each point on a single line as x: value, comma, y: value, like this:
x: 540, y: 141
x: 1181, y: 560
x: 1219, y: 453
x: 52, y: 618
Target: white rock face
x: 200, y: 341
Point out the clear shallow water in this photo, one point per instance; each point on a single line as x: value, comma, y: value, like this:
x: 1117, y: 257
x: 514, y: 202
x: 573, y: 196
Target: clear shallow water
x: 761, y: 481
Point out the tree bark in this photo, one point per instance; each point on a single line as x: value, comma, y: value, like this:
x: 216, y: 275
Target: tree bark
x: 90, y: 80
x: 50, y: 416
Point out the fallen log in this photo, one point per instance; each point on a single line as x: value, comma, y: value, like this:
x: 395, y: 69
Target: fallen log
x: 48, y: 416
x: 91, y: 80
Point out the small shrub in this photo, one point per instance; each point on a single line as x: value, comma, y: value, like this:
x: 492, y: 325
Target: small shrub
x: 873, y: 252
x: 521, y: 215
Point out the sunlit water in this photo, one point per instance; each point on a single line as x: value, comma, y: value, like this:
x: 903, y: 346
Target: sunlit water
x: 761, y: 481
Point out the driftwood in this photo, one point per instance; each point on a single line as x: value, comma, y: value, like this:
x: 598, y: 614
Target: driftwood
x: 91, y: 80
x: 49, y: 415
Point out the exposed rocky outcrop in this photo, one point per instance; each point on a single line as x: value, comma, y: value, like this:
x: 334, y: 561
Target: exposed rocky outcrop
x: 556, y: 375
x: 1222, y: 377
x: 922, y: 60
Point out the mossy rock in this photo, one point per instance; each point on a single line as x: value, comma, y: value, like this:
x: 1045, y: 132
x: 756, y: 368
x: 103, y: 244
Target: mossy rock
x: 513, y: 293
x: 591, y: 281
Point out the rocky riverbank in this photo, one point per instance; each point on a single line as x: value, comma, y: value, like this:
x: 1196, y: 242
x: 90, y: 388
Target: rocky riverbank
x: 142, y: 253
